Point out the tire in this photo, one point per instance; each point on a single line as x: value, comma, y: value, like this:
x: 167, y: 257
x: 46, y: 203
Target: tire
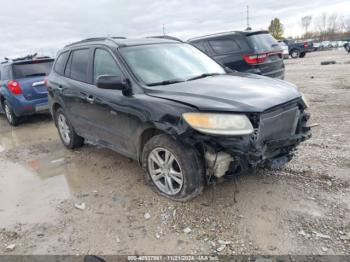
x: 10, y: 115
x: 184, y: 161
x: 68, y: 136
x: 295, y: 53
x: 302, y: 55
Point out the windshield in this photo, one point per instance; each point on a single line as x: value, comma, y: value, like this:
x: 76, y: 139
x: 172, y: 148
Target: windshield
x: 262, y: 42
x: 37, y: 68
x: 169, y: 63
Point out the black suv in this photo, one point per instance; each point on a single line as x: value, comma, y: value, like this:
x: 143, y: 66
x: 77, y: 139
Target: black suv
x: 254, y: 52
x: 173, y: 109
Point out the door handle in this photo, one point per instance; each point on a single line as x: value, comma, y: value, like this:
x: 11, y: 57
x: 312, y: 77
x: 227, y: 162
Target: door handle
x: 90, y: 99
x: 60, y: 87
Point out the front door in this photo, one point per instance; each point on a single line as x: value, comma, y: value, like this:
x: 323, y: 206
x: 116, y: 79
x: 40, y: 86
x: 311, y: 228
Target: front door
x: 108, y: 113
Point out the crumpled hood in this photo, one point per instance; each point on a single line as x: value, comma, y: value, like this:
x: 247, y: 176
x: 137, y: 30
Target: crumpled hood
x: 235, y: 92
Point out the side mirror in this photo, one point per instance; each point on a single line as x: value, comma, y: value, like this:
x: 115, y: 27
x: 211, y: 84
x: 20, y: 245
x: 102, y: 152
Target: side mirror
x: 111, y: 82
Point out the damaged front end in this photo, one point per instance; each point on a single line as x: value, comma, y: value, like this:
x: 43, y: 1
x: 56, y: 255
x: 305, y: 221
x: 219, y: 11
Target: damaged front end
x: 277, y: 132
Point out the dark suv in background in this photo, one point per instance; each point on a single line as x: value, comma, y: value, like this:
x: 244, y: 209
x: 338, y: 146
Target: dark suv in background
x: 175, y: 110
x: 254, y: 52
x: 22, y: 86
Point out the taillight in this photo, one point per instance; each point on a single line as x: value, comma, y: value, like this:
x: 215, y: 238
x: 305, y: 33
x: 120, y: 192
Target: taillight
x: 46, y: 82
x: 14, y: 87
x: 305, y: 45
x: 255, y: 58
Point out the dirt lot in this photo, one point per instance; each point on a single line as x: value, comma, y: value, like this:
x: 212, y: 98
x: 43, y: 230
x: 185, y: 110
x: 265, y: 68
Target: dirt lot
x: 303, y: 209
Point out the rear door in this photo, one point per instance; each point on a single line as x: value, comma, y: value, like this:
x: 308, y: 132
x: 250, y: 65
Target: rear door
x: 31, y: 75
x: 73, y: 90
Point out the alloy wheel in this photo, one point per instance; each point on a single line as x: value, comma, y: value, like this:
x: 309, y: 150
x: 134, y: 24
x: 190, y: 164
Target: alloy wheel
x: 8, y: 113
x: 165, y: 171
x: 63, y: 128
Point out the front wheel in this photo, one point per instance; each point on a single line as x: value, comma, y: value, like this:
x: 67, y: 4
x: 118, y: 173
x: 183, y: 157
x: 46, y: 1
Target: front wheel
x: 173, y: 169
x: 66, y: 131
x: 295, y: 53
x: 10, y: 115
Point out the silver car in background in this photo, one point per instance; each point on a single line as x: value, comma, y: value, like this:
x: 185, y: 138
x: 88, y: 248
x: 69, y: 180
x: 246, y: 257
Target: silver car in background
x: 285, y: 49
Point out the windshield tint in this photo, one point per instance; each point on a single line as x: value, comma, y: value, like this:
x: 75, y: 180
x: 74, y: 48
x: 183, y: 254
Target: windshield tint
x: 262, y: 42
x: 32, y: 69
x: 168, y: 62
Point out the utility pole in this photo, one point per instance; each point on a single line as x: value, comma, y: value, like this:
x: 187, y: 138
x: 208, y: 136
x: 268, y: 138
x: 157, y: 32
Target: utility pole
x: 248, y: 25
x: 163, y: 29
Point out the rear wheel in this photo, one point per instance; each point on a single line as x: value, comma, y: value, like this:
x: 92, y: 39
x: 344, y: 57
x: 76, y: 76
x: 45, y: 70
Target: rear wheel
x: 10, y: 115
x: 173, y: 169
x: 295, y: 53
x: 302, y: 55
x: 66, y: 131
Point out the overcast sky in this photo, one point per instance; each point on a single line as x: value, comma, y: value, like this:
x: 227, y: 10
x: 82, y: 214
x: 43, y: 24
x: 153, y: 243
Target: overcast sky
x: 45, y: 26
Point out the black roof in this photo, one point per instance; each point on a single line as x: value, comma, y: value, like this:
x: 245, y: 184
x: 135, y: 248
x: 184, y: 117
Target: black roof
x: 227, y: 33
x: 122, y: 41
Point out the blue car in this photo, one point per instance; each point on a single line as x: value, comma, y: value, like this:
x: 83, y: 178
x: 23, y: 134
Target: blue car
x: 22, y: 87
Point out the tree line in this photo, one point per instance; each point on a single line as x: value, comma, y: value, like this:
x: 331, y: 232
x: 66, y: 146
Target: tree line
x: 322, y: 27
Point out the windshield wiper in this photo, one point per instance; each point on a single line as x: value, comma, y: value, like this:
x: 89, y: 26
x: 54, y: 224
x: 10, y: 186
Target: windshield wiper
x: 203, y: 76
x: 166, y: 82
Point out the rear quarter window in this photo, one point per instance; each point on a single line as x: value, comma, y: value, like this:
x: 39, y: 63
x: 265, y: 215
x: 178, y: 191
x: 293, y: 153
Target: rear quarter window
x: 224, y: 46
x: 262, y: 42
x: 61, y: 61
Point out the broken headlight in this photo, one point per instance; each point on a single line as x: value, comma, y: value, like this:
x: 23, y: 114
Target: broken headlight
x: 219, y: 124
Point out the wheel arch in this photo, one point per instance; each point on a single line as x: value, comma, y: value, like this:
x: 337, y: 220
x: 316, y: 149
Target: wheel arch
x: 55, y: 106
x: 2, y: 100
x: 149, y: 132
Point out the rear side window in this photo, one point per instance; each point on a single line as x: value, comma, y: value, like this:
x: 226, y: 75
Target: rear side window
x: 79, y: 64
x: 224, y: 46
x: 262, y: 42
x: 104, y: 64
x: 61, y: 63
x: 33, y: 68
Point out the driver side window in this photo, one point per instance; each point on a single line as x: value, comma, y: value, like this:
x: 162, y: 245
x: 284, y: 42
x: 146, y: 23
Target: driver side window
x: 104, y: 64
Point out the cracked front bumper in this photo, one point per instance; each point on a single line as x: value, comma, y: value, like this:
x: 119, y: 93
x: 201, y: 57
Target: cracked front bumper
x: 265, y: 148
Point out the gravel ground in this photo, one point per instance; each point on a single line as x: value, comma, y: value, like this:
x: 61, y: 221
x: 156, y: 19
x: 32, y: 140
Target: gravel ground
x: 95, y: 201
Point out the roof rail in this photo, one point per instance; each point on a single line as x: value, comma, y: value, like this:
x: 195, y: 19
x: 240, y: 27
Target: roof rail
x: 25, y: 57
x: 212, y: 35
x: 166, y: 37
x: 96, y: 39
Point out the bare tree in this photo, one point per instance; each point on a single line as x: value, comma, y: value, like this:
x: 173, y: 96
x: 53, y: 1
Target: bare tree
x: 332, y: 23
x: 346, y: 24
x: 321, y: 23
x: 305, y: 22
